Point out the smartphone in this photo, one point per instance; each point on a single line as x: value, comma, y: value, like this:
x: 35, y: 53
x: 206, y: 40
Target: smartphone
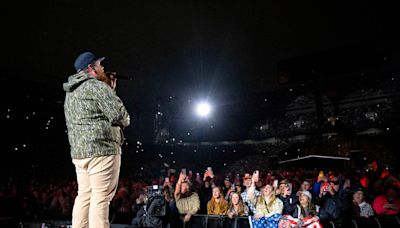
x: 166, y: 180
x: 275, y: 184
x: 183, y: 171
x: 325, y: 187
x: 256, y: 176
x: 155, y: 187
x: 290, y: 187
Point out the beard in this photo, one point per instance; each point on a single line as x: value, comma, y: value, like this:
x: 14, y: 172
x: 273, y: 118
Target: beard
x: 186, y: 194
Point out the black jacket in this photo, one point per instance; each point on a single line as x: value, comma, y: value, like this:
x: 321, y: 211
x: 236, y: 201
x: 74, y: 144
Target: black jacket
x: 331, y: 208
x: 289, y: 204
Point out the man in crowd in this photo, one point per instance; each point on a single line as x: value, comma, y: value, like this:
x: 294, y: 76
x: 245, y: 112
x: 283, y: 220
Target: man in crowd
x: 187, y: 202
x: 289, y: 199
x: 388, y: 203
x: 247, y: 183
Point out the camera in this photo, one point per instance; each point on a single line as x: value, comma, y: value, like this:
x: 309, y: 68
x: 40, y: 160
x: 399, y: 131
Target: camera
x: 156, y: 205
x: 154, y: 191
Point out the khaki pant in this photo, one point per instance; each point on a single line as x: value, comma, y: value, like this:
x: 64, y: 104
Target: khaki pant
x: 97, y: 182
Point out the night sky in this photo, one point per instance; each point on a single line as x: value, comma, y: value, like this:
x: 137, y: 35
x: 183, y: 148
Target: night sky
x: 181, y: 52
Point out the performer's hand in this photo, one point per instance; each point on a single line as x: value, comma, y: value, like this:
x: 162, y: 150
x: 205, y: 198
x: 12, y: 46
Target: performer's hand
x: 113, y: 83
x: 187, y: 217
x: 112, y: 80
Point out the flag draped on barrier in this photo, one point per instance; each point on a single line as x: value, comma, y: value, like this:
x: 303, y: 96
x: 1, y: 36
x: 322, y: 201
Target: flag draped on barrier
x: 265, y: 222
x: 288, y: 221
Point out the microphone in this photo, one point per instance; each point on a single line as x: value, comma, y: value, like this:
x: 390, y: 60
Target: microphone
x: 117, y: 75
x: 121, y: 76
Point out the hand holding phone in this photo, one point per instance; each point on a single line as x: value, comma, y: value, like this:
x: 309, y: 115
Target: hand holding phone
x: 256, y: 176
x: 210, y: 172
x: 275, y: 184
x: 166, y: 181
x: 233, y: 187
x: 182, y: 175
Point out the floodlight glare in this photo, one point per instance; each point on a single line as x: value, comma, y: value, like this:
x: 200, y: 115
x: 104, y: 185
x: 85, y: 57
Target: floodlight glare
x: 203, y: 109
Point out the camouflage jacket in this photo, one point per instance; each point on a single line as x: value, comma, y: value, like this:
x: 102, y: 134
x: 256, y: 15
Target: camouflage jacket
x: 94, y: 115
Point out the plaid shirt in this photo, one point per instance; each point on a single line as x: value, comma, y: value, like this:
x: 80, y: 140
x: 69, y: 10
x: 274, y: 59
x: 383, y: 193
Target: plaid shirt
x: 246, y: 200
x: 366, y: 210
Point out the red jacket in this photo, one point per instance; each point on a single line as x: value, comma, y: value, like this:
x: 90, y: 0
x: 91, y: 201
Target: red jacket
x: 380, y: 201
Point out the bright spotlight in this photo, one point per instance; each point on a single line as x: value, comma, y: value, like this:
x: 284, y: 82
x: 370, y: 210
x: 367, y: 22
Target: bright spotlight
x: 203, y: 109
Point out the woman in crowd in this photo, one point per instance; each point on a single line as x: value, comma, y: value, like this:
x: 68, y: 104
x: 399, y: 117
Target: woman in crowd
x: 236, y: 206
x: 268, y: 207
x: 305, y: 208
x: 217, y: 205
x: 305, y: 213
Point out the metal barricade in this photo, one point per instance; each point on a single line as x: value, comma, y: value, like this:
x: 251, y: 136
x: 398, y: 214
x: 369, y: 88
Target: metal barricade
x: 217, y: 221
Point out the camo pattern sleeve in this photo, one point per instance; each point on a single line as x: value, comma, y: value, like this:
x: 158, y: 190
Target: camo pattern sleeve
x: 94, y: 116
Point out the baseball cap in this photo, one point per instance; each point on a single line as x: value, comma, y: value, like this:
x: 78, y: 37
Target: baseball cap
x: 84, y: 59
x: 306, y: 193
x: 284, y: 181
x: 359, y: 189
x: 247, y: 176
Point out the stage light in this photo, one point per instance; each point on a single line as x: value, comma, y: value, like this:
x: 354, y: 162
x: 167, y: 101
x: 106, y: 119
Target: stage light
x: 203, y: 109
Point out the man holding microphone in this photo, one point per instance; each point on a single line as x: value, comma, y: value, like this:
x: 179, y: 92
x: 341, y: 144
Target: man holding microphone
x: 95, y: 117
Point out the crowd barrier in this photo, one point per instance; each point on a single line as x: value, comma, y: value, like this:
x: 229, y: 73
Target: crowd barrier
x: 215, y: 221
x: 14, y: 223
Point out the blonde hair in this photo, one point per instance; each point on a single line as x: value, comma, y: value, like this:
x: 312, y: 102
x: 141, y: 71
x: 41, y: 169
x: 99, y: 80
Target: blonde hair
x: 262, y: 200
x: 220, y: 191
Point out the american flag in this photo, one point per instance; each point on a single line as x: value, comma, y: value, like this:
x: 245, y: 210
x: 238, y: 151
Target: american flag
x: 265, y: 222
x: 288, y: 221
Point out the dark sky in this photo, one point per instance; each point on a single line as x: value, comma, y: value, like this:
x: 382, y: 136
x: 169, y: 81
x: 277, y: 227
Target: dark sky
x: 184, y: 49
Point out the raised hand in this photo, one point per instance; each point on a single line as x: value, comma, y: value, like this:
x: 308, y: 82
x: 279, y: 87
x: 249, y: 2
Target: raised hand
x: 255, y: 177
x: 182, y: 177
